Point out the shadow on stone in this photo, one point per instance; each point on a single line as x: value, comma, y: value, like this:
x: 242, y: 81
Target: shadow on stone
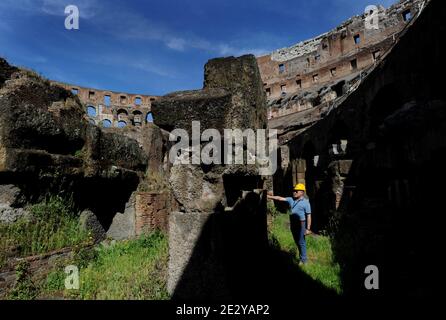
x: 232, y: 259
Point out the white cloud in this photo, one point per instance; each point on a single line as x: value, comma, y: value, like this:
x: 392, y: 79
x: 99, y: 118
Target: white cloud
x: 128, y: 25
x: 225, y: 50
x: 176, y: 44
x: 148, y: 66
x: 124, y: 24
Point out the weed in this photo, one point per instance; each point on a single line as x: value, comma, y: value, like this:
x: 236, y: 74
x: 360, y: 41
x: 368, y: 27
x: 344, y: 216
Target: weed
x: 52, y: 225
x: 24, y: 288
x: 132, y: 269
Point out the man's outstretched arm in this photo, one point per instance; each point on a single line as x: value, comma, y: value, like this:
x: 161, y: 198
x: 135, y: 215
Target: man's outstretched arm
x: 276, y: 198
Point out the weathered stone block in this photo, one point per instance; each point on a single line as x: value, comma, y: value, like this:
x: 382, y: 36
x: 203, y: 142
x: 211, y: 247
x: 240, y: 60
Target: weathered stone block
x: 185, y: 230
x: 123, y: 224
x: 241, y: 77
x: 232, y: 97
x: 11, y: 215
x: 90, y: 223
x: 178, y: 110
x: 10, y: 195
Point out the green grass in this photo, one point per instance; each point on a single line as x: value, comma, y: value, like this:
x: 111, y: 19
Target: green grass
x: 320, y: 264
x: 133, y: 269
x: 52, y: 225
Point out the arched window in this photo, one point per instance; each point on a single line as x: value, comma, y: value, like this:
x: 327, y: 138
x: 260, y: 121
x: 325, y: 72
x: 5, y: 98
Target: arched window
x: 106, y: 123
x: 122, y: 114
x: 122, y: 124
x: 137, y: 117
x: 91, y: 111
x: 149, y: 117
x: 122, y: 111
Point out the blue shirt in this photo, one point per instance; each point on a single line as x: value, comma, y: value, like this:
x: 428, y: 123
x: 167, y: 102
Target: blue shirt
x: 301, y: 207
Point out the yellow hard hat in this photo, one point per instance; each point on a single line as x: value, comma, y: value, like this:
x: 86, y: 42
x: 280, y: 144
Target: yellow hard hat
x: 299, y: 187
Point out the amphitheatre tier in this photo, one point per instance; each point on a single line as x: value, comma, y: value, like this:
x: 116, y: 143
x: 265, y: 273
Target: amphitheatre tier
x: 312, y: 73
x: 321, y: 69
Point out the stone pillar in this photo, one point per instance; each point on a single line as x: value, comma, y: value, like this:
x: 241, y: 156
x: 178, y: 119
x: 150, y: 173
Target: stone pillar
x: 220, y: 210
x: 301, y: 169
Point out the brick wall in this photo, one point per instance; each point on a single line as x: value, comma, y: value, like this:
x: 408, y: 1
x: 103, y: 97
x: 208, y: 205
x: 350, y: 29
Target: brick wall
x: 152, y: 211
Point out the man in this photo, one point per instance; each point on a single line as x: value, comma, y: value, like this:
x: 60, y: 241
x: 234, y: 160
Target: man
x: 300, y: 218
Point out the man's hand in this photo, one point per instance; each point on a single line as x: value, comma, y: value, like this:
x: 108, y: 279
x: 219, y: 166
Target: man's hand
x: 308, y: 231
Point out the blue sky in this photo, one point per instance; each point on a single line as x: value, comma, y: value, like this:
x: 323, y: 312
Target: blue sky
x: 156, y: 47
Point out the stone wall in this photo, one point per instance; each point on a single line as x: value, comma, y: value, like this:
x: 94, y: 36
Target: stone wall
x: 216, y: 236
x: 47, y: 146
x: 298, y: 78
x: 113, y: 109
x: 316, y: 66
x: 372, y: 162
x: 38, y: 267
x: 144, y: 212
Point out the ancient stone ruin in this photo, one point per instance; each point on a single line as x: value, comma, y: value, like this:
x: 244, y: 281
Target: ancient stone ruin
x: 320, y: 70
x: 48, y: 146
x: 123, y: 179
x: 370, y: 161
x: 223, y: 207
x: 361, y: 120
x: 113, y: 109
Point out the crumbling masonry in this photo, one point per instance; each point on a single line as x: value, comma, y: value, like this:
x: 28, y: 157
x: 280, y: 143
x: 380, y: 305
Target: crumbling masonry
x: 371, y: 162
x: 362, y: 123
x: 312, y: 73
x: 221, y: 227
x: 319, y: 70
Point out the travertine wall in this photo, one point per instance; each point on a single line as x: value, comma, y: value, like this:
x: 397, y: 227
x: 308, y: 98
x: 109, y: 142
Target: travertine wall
x: 372, y: 163
x: 339, y: 55
x: 297, y: 78
x: 219, y: 232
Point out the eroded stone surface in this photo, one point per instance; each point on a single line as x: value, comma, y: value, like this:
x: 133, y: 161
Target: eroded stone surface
x: 90, y: 223
x: 211, y: 196
x: 47, y: 146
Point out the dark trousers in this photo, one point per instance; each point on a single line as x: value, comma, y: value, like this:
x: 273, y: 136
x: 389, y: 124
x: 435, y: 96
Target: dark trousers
x: 298, y: 231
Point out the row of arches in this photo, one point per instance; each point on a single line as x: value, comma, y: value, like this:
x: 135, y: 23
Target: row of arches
x: 106, y: 123
x: 122, y: 117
